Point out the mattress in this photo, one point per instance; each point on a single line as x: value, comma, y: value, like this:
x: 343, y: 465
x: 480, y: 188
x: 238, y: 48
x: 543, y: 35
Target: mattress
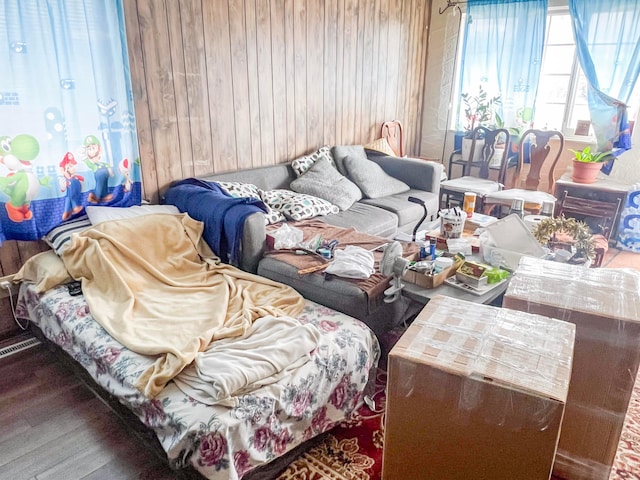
x: 220, y: 442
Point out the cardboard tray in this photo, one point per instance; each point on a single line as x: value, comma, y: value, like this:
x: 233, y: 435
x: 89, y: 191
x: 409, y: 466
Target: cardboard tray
x: 431, y: 281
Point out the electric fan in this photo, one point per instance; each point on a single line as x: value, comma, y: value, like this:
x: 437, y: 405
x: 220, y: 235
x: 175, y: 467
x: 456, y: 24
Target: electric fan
x: 394, y: 266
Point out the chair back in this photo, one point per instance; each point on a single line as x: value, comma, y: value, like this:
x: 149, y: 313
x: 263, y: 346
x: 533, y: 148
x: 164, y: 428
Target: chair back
x: 538, y: 150
x: 487, y: 140
x: 392, y: 131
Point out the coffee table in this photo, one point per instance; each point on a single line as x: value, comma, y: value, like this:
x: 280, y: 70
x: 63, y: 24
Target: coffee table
x: 422, y: 295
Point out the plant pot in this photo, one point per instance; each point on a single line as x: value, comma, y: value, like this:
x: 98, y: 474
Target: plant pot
x: 585, y: 172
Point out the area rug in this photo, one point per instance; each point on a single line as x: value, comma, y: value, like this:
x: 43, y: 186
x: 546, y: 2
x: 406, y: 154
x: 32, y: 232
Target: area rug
x: 353, y: 449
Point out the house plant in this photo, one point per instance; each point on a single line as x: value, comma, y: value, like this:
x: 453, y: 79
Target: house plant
x: 478, y: 111
x: 560, y: 232
x: 587, y: 164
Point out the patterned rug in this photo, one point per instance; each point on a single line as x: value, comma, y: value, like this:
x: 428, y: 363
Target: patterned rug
x: 353, y: 450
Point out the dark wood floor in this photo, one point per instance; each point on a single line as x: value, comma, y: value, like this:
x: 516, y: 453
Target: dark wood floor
x: 53, y: 427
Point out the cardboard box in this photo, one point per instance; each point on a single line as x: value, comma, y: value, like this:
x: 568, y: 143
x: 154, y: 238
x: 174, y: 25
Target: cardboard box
x: 476, y: 392
x: 431, y: 281
x: 604, y: 305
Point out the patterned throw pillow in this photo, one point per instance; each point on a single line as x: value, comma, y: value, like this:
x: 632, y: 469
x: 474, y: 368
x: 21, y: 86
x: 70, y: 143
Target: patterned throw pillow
x: 238, y: 189
x: 304, y: 163
x: 297, y: 206
x: 58, y: 237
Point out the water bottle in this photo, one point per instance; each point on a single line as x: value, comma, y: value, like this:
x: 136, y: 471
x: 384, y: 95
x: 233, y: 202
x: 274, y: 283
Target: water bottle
x: 548, y: 207
x: 517, y: 207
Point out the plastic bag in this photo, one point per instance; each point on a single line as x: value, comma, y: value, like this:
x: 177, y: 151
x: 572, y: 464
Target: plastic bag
x: 287, y: 237
x: 352, y: 262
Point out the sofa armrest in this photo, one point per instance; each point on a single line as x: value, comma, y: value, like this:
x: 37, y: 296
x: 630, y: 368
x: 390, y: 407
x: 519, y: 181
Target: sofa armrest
x: 419, y: 174
x: 254, y: 242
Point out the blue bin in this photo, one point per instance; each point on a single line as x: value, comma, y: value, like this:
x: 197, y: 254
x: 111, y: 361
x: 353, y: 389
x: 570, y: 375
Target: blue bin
x: 629, y: 226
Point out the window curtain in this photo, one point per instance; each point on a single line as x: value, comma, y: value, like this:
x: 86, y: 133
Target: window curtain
x: 607, y: 36
x: 502, y: 52
x: 67, y: 129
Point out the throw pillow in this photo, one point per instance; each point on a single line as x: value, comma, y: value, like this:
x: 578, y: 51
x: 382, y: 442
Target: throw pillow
x: 372, y: 179
x: 304, y: 163
x: 103, y: 214
x: 58, y: 237
x: 324, y: 181
x: 340, y: 152
x: 238, y: 189
x: 297, y: 206
x: 381, y: 145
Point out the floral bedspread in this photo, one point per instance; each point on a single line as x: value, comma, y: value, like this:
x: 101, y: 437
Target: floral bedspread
x: 220, y: 442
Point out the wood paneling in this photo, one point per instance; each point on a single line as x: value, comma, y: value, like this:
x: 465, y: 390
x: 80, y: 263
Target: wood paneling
x: 222, y: 85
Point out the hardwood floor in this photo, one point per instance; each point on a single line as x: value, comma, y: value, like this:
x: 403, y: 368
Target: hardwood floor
x: 53, y: 427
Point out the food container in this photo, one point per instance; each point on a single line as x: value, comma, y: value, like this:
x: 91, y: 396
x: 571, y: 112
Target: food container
x: 451, y: 222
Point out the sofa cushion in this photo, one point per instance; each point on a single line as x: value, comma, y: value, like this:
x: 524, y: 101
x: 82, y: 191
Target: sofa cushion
x: 324, y: 181
x: 340, y: 152
x: 302, y: 164
x: 372, y: 179
x: 407, y: 212
x: 365, y: 218
x: 297, y: 206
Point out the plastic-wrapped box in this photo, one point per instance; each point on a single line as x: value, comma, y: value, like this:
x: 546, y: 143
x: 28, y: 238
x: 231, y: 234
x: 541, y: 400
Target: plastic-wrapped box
x: 604, y: 305
x: 476, y: 392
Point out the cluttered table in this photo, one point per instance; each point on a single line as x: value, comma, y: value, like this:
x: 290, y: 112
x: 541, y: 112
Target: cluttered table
x: 421, y: 288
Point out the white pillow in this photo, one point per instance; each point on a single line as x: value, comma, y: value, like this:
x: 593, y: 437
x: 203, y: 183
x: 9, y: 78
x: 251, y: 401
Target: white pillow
x: 104, y: 214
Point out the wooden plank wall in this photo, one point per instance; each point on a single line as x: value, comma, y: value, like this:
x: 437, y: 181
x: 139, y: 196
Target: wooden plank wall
x: 224, y: 85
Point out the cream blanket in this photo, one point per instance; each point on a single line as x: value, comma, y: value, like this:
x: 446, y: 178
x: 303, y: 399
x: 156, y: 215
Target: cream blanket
x: 271, y: 349
x: 154, y: 284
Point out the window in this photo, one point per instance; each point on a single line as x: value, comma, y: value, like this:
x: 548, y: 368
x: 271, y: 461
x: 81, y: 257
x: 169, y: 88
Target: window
x: 561, y: 101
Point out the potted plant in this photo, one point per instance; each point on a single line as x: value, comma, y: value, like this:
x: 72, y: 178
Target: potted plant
x: 587, y: 164
x: 478, y: 111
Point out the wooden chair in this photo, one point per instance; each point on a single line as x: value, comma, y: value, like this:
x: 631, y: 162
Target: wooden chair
x: 392, y: 132
x: 535, y: 143
x: 476, y: 169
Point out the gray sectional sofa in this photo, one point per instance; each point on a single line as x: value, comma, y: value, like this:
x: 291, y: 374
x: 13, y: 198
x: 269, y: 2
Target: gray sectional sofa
x: 382, y: 216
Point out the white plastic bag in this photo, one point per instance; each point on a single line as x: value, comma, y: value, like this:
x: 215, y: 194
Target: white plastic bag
x: 287, y: 237
x: 352, y: 262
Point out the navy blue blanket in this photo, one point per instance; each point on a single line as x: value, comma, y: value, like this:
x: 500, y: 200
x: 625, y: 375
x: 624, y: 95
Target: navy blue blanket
x: 223, y: 215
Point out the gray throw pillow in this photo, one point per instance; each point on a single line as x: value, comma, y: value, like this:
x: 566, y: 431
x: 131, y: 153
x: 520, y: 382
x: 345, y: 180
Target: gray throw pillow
x: 340, y: 152
x: 322, y: 180
x: 372, y: 179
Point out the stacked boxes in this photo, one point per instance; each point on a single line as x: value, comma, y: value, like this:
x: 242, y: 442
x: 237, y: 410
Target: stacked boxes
x: 476, y: 392
x: 604, y: 305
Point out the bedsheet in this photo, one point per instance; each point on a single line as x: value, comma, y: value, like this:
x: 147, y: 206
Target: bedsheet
x: 220, y: 442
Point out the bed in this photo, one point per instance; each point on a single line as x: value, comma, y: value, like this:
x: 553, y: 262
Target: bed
x: 237, y: 434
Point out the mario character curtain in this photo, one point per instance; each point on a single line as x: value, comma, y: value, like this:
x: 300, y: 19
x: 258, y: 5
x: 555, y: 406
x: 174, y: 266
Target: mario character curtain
x: 67, y: 129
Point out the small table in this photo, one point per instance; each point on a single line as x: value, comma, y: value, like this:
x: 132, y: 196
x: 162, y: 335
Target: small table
x: 423, y: 295
x: 602, y: 200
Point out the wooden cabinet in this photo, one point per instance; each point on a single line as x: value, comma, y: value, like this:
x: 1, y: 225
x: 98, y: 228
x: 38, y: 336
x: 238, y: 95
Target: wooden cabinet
x: 598, y: 204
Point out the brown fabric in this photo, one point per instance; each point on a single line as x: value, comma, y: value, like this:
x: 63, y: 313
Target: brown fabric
x: 373, y: 286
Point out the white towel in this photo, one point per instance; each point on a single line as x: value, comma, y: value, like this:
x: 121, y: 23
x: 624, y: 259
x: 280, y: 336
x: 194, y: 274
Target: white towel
x: 271, y: 349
